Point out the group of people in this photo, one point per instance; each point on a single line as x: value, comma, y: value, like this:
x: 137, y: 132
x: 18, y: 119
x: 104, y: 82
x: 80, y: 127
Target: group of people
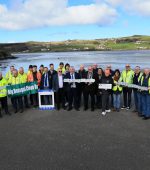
x: 69, y: 95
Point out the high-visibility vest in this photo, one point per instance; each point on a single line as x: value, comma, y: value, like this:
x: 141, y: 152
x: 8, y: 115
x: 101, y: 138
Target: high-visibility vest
x: 23, y: 77
x: 3, y: 92
x: 8, y: 75
x: 127, y: 76
x: 15, y: 80
x: 142, y: 78
x: 31, y: 79
x: 117, y: 87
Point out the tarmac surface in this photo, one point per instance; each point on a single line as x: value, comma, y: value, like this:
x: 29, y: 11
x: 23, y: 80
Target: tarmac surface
x: 83, y: 140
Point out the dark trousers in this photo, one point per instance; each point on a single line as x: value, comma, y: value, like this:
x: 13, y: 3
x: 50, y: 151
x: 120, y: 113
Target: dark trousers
x: 73, y: 98
x: 26, y: 101
x: 86, y: 95
x: 80, y: 93
x: 34, y: 99
x: 60, y: 98
x: 136, y: 99
x: 99, y: 101
x: 127, y: 96
x: 105, y: 102
x: 17, y: 102
x: 4, y: 104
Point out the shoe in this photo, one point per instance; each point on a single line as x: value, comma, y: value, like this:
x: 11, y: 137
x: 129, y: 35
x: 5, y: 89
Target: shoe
x: 85, y: 109
x: 92, y: 109
x: 21, y: 111
x: 69, y: 109
x: 77, y: 109
x: 103, y: 113
x: 123, y: 107
x: 146, y: 118
x: 108, y: 111
x: 27, y: 107
x: 114, y: 109
x: 118, y: 110
x: 15, y: 111
x: 127, y: 108
x: 8, y: 113
x: 1, y: 116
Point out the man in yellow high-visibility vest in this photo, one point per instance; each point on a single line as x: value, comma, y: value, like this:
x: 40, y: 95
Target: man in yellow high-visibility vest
x: 23, y: 79
x: 127, y: 77
x: 3, y: 95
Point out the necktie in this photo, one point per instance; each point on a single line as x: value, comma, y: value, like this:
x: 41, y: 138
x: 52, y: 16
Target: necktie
x: 46, y: 80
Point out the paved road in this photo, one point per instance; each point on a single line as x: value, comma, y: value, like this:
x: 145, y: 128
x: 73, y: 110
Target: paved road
x: 61, y: 140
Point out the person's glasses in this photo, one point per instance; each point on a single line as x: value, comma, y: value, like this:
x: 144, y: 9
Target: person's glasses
x: 60, y: 71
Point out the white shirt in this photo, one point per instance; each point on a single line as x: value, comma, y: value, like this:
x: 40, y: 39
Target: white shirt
x: 73, y: 84
x: 60, y: 81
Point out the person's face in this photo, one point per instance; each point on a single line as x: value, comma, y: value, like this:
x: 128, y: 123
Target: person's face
x: 0, y: 75
x: 99, y: 72
x: 31, y: 69
x: 94, y: 66
x: 11, y: 69
x: 81, y: 68
x: 60, y: 72
x: 127, y: 68
x: 90, y: 70
x: 46, y: 70
x: 71, y: 70
x: 21, y: 70
x: 117, y: 74
x: 61, y: 66
x: 34, y: 69
x: 52, y: 67
x: 42, y: 68
x: 147, y: 72
x: 67, y: 67
x: 15, y: 73
x: 137, y: 70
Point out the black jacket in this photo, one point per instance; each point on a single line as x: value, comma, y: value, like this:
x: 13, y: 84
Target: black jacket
x: 51, y: 77
x: 107, y: 80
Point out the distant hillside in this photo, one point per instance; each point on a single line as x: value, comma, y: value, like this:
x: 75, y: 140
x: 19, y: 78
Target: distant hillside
x: 5, y: 55
x: 136, y: 42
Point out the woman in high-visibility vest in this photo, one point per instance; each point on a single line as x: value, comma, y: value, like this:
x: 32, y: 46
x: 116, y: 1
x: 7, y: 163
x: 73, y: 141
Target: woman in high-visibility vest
x: 117, y: 90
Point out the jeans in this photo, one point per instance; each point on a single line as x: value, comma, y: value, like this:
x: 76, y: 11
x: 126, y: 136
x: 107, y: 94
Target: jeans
x: 139, y: 108
x: 116, y: 100
x: 146, y: 105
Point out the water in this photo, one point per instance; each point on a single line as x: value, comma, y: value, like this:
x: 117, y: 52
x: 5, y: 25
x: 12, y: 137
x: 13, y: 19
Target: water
x: 117, y: 59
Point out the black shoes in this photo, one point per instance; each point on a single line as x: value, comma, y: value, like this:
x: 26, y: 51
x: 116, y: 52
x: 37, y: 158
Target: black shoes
x: 70, y: 108
x: 15, y: 111
x: 21, y: 111
x: 92, y: 109
x: 77, y: 109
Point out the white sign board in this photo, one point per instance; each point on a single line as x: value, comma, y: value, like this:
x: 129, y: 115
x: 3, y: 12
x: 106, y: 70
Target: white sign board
x: 105, y: 86
x: 46, y: 93
x: 79, y: 80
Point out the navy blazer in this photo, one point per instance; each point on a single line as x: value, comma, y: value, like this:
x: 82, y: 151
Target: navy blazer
x: 42, y: 81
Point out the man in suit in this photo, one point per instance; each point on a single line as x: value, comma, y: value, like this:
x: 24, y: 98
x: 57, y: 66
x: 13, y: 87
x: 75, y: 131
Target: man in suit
x: 51, y: 73
x: 89, y: 89
x: 45, y: 85
x: 58, y: 88
x: 82, y: 73
x: 72, y: 89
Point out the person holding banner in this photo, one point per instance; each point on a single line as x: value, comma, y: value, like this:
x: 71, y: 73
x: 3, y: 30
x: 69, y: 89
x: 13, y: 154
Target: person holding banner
x: 145, y: 82
x: 17, y: 100
x: 90, y: 89
x: 117, y: 90
x: 23, y: 79
x: 127, y: 77
x: 3, y: 95
x: 72, y: 89
x: 137, y: 77
x: 106, y: 79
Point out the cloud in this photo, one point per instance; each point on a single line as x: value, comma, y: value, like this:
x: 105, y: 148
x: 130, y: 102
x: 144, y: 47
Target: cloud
x: 138, y: 7
x: 53, y: 13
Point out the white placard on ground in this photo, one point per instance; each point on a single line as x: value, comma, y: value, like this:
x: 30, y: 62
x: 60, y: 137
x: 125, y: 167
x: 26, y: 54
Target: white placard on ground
x: 45, y: 93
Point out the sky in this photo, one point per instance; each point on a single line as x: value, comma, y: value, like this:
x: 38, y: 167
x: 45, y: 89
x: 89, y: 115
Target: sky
x: 57, y: 20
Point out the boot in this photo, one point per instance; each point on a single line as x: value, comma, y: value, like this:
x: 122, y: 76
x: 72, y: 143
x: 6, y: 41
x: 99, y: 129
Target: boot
x: 0, y: 114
